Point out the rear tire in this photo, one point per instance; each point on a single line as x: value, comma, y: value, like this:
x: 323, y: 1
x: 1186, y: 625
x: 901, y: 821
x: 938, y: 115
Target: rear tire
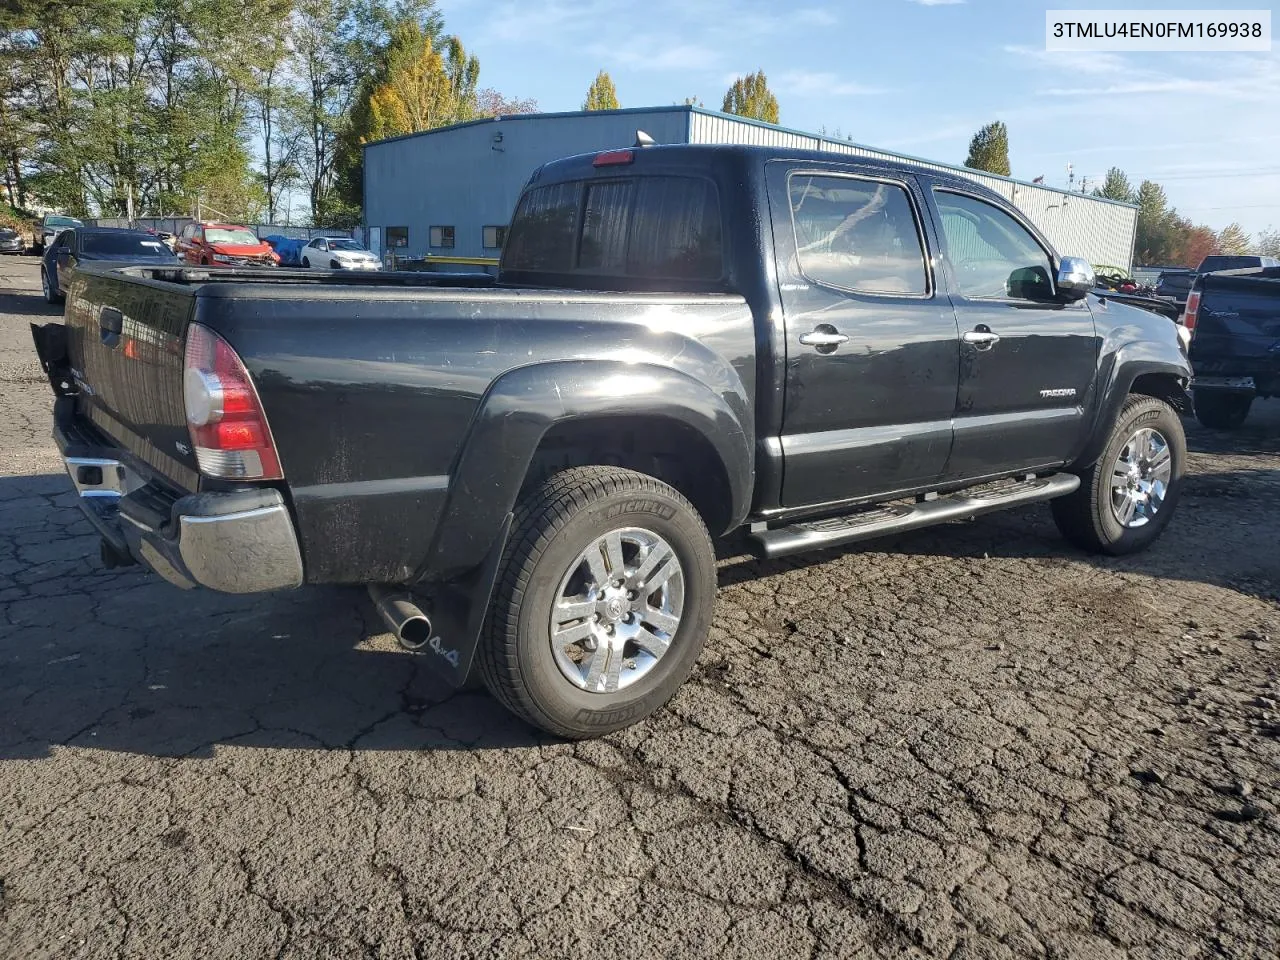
x: 1219, y: 410
x: 1147, y: 431
x: 568, y: 649
x: 306, y: 263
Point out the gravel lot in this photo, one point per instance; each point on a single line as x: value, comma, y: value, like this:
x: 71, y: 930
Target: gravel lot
x: 972, y: 742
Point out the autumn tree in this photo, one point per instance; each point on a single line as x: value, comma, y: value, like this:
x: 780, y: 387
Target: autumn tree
x: 1267, y: 244
x: 1232, y: 240
x: 989, y: 149
x: 1193, y: 243
x: 602, y: 94
x: 1116, y: 187
x: 750, y: 96
x: 491, y: 103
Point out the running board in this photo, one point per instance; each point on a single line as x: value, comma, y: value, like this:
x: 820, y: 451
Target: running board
x: 899, y: 518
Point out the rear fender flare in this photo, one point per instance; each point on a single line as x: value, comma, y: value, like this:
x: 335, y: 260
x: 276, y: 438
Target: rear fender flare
x: 522, y: 405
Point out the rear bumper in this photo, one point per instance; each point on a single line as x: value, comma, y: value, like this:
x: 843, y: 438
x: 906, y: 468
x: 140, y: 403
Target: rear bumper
x: 241, y: 542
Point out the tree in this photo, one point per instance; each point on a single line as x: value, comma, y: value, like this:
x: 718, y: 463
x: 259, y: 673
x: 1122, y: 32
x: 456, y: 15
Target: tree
x: 421, y: 89
x: 491, y: 103
x: 1157, y: 226
x: 602, y: 94
x: 1193, y: 243
x: 989, y: 149
x: 1268, y: 243
x: 1233, y: 240
x: 750, y: 96
x: 1116, y: 187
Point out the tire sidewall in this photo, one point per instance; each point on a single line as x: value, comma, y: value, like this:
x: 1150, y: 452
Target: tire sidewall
x: 1158, y: 416
x: 553, y: 694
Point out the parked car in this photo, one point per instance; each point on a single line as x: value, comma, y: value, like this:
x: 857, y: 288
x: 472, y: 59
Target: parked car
x: 805, y: 348
x: 223, y: 245
x: 1175, y: 283
x: 75, y: 247
x: 11, y: 241
x: 1234, y: 318
x: 339, y: 253
x: 51, y: 225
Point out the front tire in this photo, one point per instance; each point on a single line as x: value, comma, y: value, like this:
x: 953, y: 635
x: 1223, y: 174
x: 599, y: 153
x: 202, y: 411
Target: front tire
x: 46, y: 286
x: 603, y: 602
x: 1219, y: 410
x: 1126, y: 499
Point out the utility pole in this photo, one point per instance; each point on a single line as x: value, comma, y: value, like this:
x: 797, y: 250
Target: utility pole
x: 128, y: 204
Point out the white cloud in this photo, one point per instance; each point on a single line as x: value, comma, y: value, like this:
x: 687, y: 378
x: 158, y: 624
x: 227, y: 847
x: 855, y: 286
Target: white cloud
x: 651, y: 53
x: 819, y: 83
x: 937, y: 3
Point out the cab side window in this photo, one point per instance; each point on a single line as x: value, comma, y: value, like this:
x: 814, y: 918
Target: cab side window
x: 992, y: 255
x: 857, y: 235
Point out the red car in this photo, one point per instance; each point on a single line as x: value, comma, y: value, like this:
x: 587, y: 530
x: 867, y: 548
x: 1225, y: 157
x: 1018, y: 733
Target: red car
x: 223, y: 244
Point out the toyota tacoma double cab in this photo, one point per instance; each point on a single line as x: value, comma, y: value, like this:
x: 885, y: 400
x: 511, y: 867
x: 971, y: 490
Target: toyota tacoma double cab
x: 804, y: 349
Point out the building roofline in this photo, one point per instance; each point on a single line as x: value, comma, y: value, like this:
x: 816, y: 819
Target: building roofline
x: 690, y: 109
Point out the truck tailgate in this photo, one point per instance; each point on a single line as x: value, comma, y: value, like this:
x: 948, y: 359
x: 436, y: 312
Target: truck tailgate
x: 1238, y: 328
x: 124, y: 345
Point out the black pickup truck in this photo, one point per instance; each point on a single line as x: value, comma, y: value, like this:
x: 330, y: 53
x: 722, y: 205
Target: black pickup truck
x: 683, y: 342
x: 1234, y: 318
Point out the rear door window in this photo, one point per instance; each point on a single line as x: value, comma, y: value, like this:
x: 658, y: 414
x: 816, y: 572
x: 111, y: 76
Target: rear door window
x: 858, y: 235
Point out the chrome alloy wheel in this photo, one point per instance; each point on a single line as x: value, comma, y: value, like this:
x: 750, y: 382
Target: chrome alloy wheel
x: 617, y: 610
x: 1140, y: 478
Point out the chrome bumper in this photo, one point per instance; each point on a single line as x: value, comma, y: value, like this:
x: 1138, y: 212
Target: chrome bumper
x: 241, y: 542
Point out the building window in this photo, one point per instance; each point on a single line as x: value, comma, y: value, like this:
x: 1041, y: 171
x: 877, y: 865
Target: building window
x: 397, y: 236
x: 442, y: 237
x: 495, y: 238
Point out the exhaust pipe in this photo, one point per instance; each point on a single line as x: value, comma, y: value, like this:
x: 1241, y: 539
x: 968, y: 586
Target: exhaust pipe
x: 402, y: 616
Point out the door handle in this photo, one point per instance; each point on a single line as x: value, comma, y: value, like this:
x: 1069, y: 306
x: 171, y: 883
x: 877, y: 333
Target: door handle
x: 825, y: 337
x: 981, y: 338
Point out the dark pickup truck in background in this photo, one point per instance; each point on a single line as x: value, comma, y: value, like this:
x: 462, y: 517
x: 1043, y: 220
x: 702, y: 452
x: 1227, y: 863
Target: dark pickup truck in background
x: 682, y: 343
x: 1234, y: 318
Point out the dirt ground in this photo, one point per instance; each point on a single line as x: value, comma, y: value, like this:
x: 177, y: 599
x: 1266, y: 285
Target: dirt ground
x: 973, y: 742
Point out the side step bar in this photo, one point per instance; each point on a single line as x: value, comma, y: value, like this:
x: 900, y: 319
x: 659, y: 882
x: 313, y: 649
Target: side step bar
x: 899, y: 518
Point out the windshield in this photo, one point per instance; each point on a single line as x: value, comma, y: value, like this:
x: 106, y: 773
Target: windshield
x: 238, y: 235
x: 124, y: 245
x: 342, y: 243
x: 62, y: 222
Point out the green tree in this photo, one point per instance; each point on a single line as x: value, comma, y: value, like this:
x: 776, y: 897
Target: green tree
x: 1234, y: 241
x: 750, y: 96
x: 1116, y: 187
x: 602, y: 94
x: 989, y: 149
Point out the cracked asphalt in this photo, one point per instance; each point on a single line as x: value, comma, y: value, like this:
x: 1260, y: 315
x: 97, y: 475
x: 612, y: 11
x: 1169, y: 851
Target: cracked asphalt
x: 972, y: 742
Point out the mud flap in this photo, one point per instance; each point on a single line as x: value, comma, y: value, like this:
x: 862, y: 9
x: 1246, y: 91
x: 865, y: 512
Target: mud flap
x: 51, y: 348
x: 458, y: 610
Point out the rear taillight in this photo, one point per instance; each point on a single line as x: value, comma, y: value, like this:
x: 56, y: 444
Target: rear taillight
x: 224, y: 415
x: 1192, y: 310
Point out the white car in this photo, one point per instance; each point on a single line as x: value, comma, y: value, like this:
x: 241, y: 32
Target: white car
x: 338, y: 253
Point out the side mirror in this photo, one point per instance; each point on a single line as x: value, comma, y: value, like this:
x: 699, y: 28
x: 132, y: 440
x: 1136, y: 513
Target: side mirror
x: 1075, y: 278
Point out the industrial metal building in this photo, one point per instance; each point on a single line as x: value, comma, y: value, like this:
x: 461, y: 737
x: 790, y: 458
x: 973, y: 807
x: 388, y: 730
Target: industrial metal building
x: 451, y: 191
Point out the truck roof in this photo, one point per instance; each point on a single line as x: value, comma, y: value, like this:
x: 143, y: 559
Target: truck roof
x: 709, y: 153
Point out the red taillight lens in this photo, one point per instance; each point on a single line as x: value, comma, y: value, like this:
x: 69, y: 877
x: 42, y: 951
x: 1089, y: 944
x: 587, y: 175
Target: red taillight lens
x: 1192, y: 310
x: 228, y: 427
x: 613, y: 157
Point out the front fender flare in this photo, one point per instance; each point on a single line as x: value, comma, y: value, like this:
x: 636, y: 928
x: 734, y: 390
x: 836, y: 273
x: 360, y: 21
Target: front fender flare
x: 522, y: 405
x: 1126, y: 365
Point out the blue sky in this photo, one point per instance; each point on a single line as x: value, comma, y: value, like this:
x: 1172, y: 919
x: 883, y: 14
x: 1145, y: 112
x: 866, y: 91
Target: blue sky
x: 918, y: 76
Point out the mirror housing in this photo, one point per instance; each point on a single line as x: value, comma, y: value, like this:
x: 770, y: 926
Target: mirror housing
x: 1075, y: 278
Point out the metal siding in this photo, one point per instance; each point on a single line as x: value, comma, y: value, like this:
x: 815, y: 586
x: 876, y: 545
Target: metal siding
x: 1076, y: 224
x: 454, y: 177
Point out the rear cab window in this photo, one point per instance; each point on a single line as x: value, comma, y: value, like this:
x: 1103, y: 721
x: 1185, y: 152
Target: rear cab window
x: 618, y: 230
